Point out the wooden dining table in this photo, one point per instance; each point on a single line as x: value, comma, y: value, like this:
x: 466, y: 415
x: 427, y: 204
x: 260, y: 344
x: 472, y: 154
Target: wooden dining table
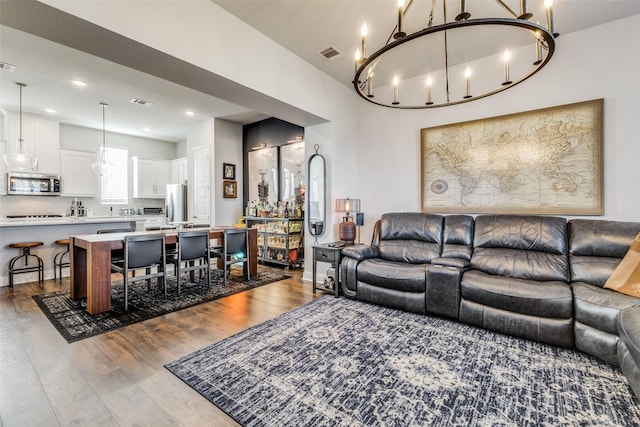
x: 90, y: 256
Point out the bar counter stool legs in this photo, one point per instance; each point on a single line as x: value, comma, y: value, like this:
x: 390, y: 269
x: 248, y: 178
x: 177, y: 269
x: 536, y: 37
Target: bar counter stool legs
x: 27, y: 268
x: 58, y: 258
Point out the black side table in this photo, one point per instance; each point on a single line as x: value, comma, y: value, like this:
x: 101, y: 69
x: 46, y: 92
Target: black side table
x: 329, y: 254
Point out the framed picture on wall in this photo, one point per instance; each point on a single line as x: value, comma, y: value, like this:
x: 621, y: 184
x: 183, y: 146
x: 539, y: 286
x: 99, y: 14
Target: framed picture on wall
x: 228, y: 171
x: 230, y: 189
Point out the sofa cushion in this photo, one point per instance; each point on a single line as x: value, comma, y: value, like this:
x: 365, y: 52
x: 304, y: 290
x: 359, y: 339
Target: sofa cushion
x: 523, y: 232
x: 592, y: 269
x: 629, y: 331
x: 596, y: 248
x: 457, y: 241
x: 399, y: 276
x: 410, y: 237
x: 525, y: 247
x: 539, y: 266
x: 599, y: 308
x: 551, y: 299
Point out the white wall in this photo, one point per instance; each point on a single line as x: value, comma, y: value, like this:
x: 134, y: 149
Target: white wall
x: 228, y: 149
x: 86, y: 139
x: 591, y: 64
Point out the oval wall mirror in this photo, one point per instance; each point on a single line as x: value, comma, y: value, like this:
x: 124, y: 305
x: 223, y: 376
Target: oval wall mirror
x: 316, y: 190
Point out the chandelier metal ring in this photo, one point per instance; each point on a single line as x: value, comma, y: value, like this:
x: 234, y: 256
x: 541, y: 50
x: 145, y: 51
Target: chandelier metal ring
x: 538, y: 31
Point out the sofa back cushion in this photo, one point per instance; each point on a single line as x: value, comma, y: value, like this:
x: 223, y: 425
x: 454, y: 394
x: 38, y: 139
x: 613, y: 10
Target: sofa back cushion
x: 525, y: 247
x: 410, y: 237
x: 596, y: 247
x: 457, y: 239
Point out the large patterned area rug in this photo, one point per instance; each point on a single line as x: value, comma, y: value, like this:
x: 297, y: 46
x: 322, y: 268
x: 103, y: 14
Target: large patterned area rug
x: 74, y: 323
x: 338, y: 362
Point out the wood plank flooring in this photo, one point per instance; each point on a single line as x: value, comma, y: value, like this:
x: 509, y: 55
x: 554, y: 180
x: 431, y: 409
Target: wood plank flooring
x: 118, y: 378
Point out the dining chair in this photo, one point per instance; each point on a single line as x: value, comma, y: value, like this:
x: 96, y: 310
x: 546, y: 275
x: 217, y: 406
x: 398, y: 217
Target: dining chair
x: 192, y: 255
x: 235, y: 249
x: 142, y: 252
x: 117, y: 255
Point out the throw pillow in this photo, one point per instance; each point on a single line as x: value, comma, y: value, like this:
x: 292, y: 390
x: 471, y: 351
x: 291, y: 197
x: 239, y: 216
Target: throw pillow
x: 626, y: 276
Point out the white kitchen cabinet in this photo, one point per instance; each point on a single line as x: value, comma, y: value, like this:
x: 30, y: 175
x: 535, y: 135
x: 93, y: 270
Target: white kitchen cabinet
x: 41, y: 138
x: 150, y: 178
x: 3, y: 169
x: 178, y: 173
x: 78, y: 178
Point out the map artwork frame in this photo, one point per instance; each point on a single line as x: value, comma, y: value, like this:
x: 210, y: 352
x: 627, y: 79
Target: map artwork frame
x: 546, y: 161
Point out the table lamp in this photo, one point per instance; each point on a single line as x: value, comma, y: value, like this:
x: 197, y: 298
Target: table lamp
x: 347, y: 228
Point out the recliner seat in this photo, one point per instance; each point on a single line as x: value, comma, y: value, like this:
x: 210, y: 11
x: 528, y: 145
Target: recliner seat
x: 518, y: 279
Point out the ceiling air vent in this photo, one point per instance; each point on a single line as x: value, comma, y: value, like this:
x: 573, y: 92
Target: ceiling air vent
x: 330, y: 53
x: 141, y: 102
x: 7, y: 67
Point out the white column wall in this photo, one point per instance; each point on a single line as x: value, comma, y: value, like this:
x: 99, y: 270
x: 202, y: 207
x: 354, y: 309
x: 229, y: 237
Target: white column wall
x: 228, y: 149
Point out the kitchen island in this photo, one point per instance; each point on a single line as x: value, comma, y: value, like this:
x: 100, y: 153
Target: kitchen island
x: 47, y: 231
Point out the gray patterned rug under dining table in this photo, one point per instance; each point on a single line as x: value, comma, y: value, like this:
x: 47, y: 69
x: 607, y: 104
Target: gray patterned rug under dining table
x: 338, y: 362
x: 74, y: 323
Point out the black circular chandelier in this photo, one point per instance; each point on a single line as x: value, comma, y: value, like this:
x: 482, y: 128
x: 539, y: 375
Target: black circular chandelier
x: 454, y: 62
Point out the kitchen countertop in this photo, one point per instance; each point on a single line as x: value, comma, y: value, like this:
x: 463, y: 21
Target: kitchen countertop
x: 22, y: 222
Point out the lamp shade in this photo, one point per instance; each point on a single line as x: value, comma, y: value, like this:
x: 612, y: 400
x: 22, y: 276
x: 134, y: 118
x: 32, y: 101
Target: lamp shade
x: 347, y: 205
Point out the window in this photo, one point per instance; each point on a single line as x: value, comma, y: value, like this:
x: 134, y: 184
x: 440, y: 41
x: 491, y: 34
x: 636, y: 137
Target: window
x: 114, y: 188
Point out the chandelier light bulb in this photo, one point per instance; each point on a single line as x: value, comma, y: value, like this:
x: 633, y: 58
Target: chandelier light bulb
x: 548, y: 4
x: 506, y: 57
x: 395, y: 90
x: 429, y: 83
x: 467, y: 75
x: 363, y: 32
x: 400, y: 34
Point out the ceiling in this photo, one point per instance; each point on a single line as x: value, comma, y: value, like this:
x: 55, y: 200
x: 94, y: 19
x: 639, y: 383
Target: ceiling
x: 302, y: 26
x: 307, y: 26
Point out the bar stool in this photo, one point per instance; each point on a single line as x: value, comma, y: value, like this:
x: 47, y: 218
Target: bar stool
x: 58, y: 258
x: 26, y: 253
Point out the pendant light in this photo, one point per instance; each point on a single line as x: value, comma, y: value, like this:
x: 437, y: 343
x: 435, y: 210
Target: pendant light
x: 103, y: 167
x: 20, y: 160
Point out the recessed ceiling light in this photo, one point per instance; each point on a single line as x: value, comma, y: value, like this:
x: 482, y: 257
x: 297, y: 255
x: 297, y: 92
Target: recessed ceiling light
x: 50, y: 110
x: 146, y: 129
x: 190, y: 113
x: 79, y: 83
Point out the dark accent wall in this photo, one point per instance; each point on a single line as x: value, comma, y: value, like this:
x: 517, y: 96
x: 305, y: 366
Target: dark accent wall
x: 272, y: 132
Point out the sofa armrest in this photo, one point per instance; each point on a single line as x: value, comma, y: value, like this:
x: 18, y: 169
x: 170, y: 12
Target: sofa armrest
x: 443, y: 290
x: 451, y: 262
x: 361, y: 252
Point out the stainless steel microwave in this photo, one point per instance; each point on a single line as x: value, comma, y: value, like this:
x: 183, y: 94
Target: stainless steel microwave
x: 33, y: 184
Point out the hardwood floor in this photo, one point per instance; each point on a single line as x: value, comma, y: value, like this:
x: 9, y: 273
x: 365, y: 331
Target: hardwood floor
x: 118, y: 378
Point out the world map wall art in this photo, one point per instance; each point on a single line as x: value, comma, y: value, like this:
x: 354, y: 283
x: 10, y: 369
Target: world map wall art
x: 547, y: 161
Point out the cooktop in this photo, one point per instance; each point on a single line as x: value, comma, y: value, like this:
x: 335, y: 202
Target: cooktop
x: 35, y: 216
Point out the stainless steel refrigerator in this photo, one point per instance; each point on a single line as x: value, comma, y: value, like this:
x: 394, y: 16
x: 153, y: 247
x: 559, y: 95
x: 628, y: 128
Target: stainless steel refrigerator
x: 176, y: 203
